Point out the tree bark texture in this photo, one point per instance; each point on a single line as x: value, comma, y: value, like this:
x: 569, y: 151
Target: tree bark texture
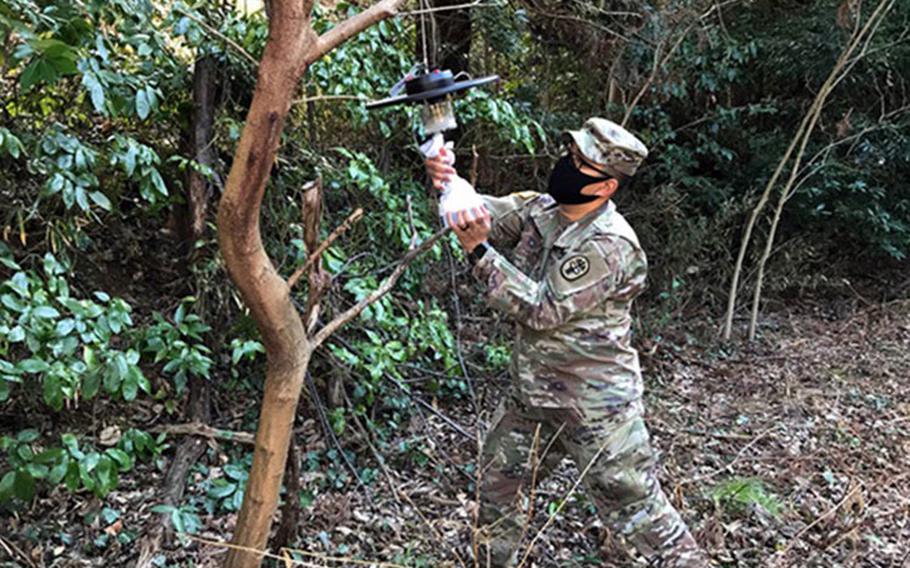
x: 198, y: 188
x: 290, y: 510
x: 291, y: 46
x: 263, y: 290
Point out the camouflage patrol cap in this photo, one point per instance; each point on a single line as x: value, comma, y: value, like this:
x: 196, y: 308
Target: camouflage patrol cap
x: 609, y: 145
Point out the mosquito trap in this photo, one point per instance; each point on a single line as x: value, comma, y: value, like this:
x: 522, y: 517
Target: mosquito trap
x: 433, y: 92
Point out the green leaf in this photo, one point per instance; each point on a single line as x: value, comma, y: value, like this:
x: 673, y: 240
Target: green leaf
x: 235, y: 472
x: 65, y: 326
x: 24, y: 486
x: 144, y: 383
x: 46, y: 312
x: 110, y: 515
x: 16, y: 334
x: 101, y: 200
x: 33, y: 366
x: 58, y: 472
x: 180, y: 314
x: 27, y: 436
x: 53, y: 392
x: 112, y: 379
x: 151, y: 97
x: 12, y: 302
x: 106, y: 475
x: 19, y: 284
x: 88, y: 355
x: 100, y: 47
x: 158, y: 182
x: 90, y: 462
x: 52, y: 455
x: 72, y: 444
x: 143, y: 107
x: 123, y: 459
x: 56, y: 183
x: 130, y: 387
x: 177, y: 519
x: 10, y: 263
x: 54, y: 48
x: 90, y: 384
x: 72, y: 477
x: 52, y: 266
x: 82, y: 198
x: 37, y: 471
x: 24, y: 452
x: 6, y: 485
x: 221, y: 491
x: 237, y: 499
x: 129, y: 160
x: 121, y: 365
x: 132, y: 357
x: 62, y: 65
x: 37, y: 70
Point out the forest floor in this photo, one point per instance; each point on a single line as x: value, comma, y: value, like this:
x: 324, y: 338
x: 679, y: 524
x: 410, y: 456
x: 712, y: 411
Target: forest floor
x: 794, y: 453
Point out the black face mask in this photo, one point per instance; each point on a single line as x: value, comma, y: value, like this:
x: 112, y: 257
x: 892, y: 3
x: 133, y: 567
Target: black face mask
x: 566, y: 183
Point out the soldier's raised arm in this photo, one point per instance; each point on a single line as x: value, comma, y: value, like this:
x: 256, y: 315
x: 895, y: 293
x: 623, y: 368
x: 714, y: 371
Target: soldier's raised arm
x: 605, y: 268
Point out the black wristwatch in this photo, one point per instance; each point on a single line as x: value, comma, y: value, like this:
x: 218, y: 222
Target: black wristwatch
x: 477, y: 253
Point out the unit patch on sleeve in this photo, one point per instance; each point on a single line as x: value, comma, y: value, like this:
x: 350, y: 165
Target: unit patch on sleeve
x: 574, y: 267
x: 578, y: 270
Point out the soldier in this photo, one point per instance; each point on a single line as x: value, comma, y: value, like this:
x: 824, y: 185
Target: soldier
x: 576, y: 265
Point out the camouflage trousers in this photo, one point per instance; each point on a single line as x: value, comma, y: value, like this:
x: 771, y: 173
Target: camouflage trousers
x: 621, y: 482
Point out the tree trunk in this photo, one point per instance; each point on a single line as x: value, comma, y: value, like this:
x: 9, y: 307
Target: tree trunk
x: 202, y: 121
x: 188, y: 223
x: 264, y: 292
x: 198, y: 189
x: 291, y: 46
x: 290, y: 511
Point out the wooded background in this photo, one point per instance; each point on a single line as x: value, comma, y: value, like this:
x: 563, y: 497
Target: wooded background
x: 774, y: 209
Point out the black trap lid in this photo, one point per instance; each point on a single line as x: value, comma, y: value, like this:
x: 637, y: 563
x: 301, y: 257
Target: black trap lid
x: 431, y: 87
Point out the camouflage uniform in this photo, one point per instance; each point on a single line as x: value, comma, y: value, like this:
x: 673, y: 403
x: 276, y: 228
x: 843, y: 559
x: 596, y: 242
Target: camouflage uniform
x: 569, y: 287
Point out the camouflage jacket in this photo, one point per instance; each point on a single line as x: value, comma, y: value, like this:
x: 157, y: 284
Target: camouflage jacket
x: 569, y: 287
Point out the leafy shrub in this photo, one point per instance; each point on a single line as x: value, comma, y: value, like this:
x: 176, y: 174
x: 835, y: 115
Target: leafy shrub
x: 179, y: 345
x: 76, y: 467
x: 741, y: 493
x: 64, y: 346
x: 225, y: 493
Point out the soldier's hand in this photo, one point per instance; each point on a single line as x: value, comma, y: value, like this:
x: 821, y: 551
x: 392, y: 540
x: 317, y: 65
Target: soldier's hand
x: 439, y: 168
x: 472, y: 229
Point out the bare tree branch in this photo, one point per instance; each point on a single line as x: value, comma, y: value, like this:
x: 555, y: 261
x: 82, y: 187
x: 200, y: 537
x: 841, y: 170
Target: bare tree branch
x: 339, y: 230
x: 206, y: 431
x: 352, y: 26
x: 862, y: 34
x: 381, y: 291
